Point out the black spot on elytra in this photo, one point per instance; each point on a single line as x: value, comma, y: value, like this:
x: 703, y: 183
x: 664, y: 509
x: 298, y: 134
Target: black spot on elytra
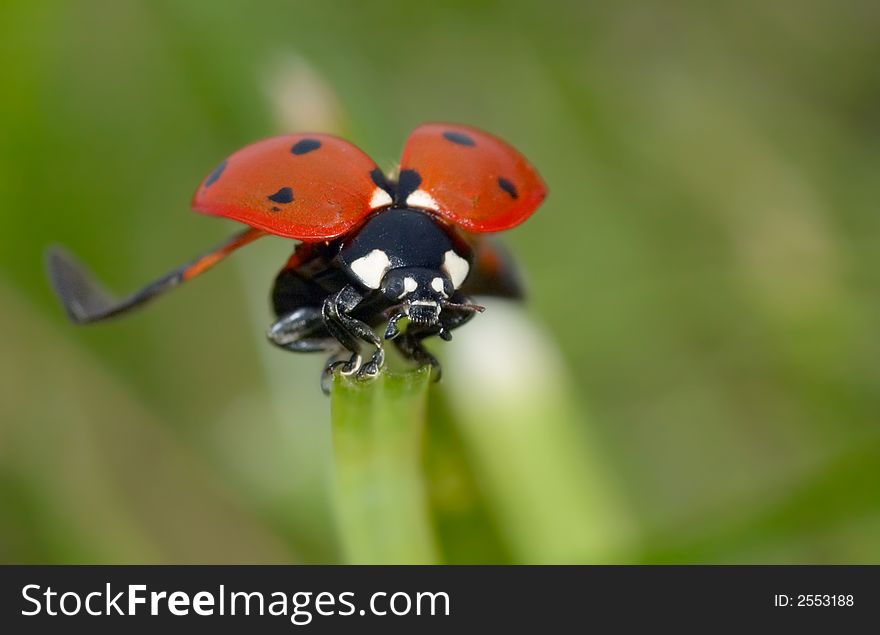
x: 407, y: 183
x: 508, y: 187
x: 284, y: 196
x: 276, y: 209
x: 304, y: 146
x: 459, y: 138
x: 213, y: 176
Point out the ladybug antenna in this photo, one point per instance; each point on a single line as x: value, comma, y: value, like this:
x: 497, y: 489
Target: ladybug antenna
x: 467, y: 307
x: 86, y: 300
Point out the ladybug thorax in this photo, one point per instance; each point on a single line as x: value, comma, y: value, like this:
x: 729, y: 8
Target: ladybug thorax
x: 402, y: 240
x: 408, y: 254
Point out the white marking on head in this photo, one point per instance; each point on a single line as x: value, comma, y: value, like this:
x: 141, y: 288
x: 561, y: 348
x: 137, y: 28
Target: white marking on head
x: 456, y: 268
x: 409, y: 285
x: 372, y: 268
x: 422, y: 200
x: 380, y: 198
x: 437, y: 285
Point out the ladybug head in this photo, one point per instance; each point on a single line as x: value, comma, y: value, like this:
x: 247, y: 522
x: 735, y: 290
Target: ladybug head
x: 421, y: 292
x: 422, y: 295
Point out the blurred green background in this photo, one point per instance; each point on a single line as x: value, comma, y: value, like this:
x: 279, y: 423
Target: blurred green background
x: 706, y: 270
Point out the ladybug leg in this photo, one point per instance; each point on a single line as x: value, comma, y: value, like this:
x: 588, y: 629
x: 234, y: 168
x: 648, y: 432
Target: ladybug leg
x: 373, y: 366
x: 334, y: 364
x: 301, y: 331
x: 410, y: 346
x: 391, y: 330
x: 452, y: 316
x: 349, y: 331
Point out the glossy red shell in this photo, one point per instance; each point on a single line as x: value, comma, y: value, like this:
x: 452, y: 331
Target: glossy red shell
x: 472, y: 179
x: 311, y: 187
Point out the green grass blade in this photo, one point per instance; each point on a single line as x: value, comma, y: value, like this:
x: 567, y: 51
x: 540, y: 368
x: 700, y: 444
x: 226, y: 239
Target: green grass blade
x: 378, y: 441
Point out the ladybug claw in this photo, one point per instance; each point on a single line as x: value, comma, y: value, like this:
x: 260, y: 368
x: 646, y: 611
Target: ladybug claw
x: 371, y: 369
x: 344, y: 368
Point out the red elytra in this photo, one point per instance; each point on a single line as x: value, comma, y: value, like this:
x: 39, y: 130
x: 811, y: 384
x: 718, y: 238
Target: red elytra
x: 474, y: 180
x: 317, y: 187
x: 313, y: 193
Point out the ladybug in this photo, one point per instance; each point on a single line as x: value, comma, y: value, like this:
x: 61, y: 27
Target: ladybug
x: 373, y: 250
